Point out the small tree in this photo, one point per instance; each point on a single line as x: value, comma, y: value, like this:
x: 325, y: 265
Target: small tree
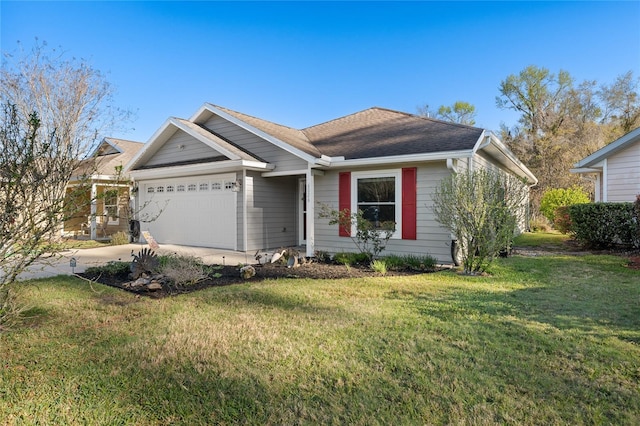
x: 483, y: 210
x: 370, y: 238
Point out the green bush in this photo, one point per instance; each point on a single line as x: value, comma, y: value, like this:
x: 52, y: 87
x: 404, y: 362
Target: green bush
x: 410, y: 261
x: 554, y: 198
x: 119, y: 238
x: 605, y: 224
x: 349, y: 258
x: 562, y: 220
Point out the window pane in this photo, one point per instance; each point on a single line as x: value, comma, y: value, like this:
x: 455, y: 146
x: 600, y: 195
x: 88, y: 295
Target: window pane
x: 376, y: 190
x: 378, y: 214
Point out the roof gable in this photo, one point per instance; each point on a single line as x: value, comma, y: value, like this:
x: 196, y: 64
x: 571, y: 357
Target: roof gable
x: 618, y: 145
x: 168, y: 147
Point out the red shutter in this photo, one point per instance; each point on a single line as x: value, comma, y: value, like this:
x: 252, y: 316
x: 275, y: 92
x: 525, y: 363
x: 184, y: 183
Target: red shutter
x: 409, y: 205
x: 344, y: 200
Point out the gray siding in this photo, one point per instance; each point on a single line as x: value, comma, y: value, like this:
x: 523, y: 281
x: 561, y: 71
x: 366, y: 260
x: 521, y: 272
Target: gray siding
x: 623, y: 170
x: 283, y: 160
x: 181, y: 147
x: 432, y: 239
x: 271, y: 211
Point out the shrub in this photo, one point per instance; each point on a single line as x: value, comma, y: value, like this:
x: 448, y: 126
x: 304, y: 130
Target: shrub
x: 416, y: 263
x: 605, y: 224
x: 370, y: 238
x: 119, y: 238
x: 558, y: 197
x: 350, y: 258
x: 483, y: 209
x: 539, y: 224
x: 562, y: 220
x: 182, y: 270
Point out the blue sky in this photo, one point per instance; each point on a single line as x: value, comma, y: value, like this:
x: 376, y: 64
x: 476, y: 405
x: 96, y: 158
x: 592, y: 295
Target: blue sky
x: 303, y: 63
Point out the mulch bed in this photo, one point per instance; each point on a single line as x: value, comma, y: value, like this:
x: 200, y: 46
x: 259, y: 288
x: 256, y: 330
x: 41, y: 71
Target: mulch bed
x: 231, y: 275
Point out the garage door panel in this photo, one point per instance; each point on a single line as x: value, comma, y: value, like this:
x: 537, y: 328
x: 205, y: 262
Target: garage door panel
x: 199, y: 211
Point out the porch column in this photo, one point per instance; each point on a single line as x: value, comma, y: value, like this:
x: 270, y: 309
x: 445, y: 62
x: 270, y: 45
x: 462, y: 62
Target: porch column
x: 94, y: 210
x: 311, y: 209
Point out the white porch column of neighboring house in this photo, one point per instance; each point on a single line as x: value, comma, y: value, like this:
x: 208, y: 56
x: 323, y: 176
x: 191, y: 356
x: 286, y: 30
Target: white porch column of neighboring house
x: 94, y: 210
x: 605, y: 195
x: 311, y: 201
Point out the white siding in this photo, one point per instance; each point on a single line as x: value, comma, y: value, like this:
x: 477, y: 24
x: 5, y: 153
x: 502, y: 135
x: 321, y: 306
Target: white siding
x: 181, y: 147
x: 623, y: 174
x: 283, y: 160
x: 432, y: 239
x: 272, y: 208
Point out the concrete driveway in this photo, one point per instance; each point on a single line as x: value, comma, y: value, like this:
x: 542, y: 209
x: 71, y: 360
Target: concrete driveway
x: 84, y: 258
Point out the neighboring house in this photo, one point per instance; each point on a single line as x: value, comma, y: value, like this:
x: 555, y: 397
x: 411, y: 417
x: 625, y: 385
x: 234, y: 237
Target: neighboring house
x: 616, y: 168
x: 103, y: 207
x: 229, y: 180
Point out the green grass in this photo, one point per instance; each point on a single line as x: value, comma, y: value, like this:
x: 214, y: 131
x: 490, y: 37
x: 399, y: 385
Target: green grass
x: 543, y: 340
x: 549, y: 240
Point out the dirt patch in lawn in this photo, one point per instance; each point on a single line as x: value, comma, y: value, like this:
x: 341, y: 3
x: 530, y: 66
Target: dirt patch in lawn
x: 227, y: 275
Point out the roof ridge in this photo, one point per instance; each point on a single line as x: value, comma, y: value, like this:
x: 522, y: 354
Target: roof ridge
x: 339, y: 118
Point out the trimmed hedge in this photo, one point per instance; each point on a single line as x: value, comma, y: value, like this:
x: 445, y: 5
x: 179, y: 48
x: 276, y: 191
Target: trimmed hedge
x: 605, y: 224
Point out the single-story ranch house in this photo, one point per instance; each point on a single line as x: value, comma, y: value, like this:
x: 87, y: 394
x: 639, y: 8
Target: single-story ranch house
x: 616, y: 168
x: 228, y: 180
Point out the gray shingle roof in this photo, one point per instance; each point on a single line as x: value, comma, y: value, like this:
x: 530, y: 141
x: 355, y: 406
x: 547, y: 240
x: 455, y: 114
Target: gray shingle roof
x: 293, y: 137
x: 374, y: 132
x: 379, y: 132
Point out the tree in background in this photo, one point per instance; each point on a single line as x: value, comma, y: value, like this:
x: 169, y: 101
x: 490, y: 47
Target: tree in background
x: 460, y: 112
x: 562, y: 122
x: 482, y: 209
x: 53, y: 112
x: 72, y: 99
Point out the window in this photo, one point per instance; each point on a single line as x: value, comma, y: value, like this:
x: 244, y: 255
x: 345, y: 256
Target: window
x: 377, y: 195
x: 389, y: 195
x: 204, y: 187
x: 150, y: 189
x: 111, y: 206
x: 180, y: 188
x: 215, y: 186
x: 377, y: 199
x: 191, y: 187
x: 169, y: 188
x: 160, y: 189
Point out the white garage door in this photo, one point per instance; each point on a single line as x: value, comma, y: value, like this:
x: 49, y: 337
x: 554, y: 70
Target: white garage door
x: 197, y: 211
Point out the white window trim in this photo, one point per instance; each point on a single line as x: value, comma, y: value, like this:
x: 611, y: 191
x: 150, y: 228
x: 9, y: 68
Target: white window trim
x: 395, y: 173
x: 106, y: 211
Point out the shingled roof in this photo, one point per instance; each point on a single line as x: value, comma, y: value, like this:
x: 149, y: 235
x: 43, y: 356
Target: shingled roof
x: 379, y: 132
x: 111, y: 153
x: 374, y: 132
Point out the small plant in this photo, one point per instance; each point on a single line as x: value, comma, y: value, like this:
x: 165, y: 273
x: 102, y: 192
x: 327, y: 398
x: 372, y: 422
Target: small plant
x: 323, y: 256
x: 183, y: 270
x: 379, y: 266
x: 11, y: 311
x: 119, y: 238
x: 369, y: 237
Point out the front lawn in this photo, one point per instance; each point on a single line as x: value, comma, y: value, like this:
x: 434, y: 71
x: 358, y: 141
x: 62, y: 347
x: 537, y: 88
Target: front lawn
x: 543, y: 340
